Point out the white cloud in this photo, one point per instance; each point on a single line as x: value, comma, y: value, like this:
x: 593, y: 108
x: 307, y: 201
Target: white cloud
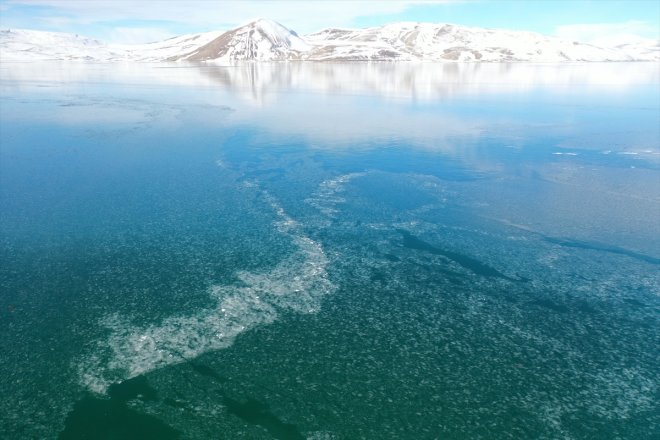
x: 609, y: 34
x: 301, y: 16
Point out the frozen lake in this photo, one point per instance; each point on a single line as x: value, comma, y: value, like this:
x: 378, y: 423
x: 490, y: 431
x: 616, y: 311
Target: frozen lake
x: 330, y: 251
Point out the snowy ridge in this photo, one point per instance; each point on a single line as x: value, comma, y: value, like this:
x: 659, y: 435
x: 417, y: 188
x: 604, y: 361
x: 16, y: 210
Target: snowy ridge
x: 22, y: 44
x: 446, y: 42
x: 266, y: 40
x: 175, y: 47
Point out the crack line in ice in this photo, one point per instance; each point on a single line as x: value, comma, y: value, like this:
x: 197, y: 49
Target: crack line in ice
x: 296, y: 283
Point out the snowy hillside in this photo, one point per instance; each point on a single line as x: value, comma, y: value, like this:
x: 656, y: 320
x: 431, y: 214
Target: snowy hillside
x: 446, y: 42
x: 266, y: 40
x: 25, y: 45
x: 172, y: 48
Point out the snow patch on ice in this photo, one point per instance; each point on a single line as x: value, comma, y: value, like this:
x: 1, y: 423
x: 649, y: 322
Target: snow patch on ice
x: 297, y: 283
x: 328, y: 195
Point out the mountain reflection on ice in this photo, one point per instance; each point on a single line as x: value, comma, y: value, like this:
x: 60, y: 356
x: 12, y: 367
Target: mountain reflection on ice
x: 261, y: 82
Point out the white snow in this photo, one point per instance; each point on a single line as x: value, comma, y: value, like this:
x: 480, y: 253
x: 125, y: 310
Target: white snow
x: 171, y: 48
x: 446, y: 42
x: 266, y: 40
x: 22, y: 44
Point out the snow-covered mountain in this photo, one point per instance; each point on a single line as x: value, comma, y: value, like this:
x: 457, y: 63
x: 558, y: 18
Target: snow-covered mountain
x: 262, y: 40
x: 266, y: 40
x: 446, y: 42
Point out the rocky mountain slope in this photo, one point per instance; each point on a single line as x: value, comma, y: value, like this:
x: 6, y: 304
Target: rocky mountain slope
x: 266, y: 40
x: 262, y: 40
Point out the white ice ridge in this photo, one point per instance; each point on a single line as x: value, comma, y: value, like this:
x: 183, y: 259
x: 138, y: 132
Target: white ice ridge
x: 297, y: 283
x: 328, y: 195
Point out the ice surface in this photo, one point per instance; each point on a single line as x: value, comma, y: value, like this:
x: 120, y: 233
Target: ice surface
x: 297, y: 283
x: 133, y: 252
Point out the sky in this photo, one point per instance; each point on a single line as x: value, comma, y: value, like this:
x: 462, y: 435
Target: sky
x: 602, y: 22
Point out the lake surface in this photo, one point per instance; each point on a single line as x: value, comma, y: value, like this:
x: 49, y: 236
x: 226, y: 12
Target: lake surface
x: 330, y: 251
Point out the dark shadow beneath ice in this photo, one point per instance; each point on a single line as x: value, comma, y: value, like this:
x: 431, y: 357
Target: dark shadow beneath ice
x: 257, y: 413
x: 105, y: 419
x: 475, y: 266
x: 595, y: 246
x: 251, y: 411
